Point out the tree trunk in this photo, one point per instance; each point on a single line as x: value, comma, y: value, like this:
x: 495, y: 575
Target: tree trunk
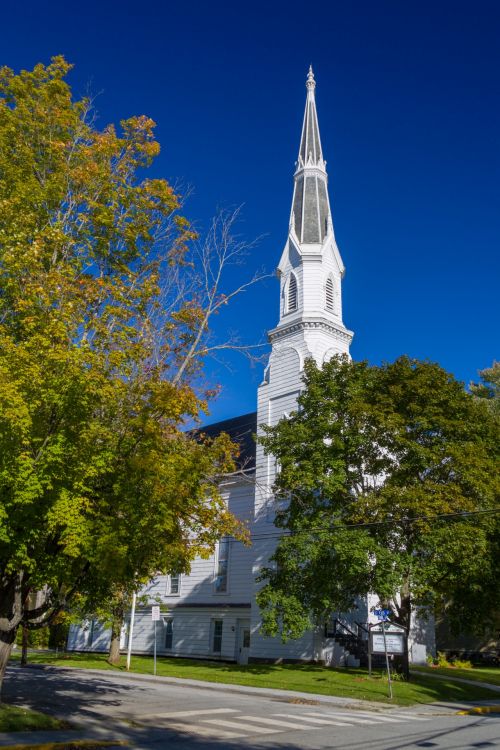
x: 24, y: 646
x: 114, y: 647
x: 7, y: 638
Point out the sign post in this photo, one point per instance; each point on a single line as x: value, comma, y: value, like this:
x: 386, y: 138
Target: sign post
x: 155, y: 616
x: 386, y: 661
x: 386, y: 640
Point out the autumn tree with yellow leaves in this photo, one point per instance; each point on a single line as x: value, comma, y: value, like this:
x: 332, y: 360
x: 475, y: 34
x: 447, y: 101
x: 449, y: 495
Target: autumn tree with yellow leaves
x: 104, y: 319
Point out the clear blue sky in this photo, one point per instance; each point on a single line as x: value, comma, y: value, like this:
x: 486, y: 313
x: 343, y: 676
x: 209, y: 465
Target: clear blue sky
x: 409, y: 109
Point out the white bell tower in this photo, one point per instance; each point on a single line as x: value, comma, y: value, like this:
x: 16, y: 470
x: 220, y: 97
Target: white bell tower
x: 310, y: 325
x: 311, y: 269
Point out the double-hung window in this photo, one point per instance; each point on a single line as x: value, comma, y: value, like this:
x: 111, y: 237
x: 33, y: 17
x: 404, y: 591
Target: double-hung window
x: 222, y: 567
x: 173, y: 584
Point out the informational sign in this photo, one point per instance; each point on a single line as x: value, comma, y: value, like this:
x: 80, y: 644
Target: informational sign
x: 382, y: 614
x: 394, y: 641
x: 155, y: 613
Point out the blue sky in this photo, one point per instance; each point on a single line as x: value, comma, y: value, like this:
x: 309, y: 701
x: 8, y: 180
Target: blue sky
x: 409, y: 110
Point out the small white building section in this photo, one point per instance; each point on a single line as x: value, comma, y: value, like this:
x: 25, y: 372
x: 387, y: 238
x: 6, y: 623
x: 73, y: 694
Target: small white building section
x: 212, y: 613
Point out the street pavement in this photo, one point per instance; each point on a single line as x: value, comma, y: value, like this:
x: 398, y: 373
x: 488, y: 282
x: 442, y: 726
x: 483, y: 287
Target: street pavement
x: 153, y: 713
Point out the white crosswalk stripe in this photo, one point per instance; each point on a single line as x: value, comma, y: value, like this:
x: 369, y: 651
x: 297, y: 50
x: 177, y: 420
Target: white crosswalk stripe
x: 325, y: 720
x: 204, y: 731
x: 410, y: 717
x: 187, y: 714
x: 338, y: 715
x: 373, y: 717
x: 276, y: 722
x: 240, y: 725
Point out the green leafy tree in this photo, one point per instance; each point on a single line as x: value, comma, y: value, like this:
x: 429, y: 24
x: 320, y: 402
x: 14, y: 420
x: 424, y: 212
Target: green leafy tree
x: 104, y: 325
x: 489, y: 387
x: 379, y: 466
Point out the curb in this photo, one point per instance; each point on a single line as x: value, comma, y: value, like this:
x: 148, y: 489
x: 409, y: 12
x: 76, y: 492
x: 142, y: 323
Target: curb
x: 479, y: 710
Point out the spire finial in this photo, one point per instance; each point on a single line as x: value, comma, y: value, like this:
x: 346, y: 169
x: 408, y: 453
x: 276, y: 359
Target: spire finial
x: 310, y: 83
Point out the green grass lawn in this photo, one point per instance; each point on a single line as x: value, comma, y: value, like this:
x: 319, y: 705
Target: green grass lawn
x: 15, y: 719
x: 308, y: 678
x: 479, y: 674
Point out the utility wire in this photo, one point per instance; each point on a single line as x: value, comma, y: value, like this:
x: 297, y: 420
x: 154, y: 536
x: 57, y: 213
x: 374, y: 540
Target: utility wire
x: 365, y: 524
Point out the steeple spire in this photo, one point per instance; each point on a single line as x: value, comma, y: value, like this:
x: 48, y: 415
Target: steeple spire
x: 311, y: 219
x: 310, y: 144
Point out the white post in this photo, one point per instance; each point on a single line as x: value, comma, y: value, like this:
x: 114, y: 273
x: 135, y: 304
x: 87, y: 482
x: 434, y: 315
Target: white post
x: 155, y: 652
x: 131, y: 630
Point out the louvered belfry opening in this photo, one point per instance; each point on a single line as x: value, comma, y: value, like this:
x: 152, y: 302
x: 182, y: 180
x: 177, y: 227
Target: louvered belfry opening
x: 292, y: 294
x: 329, y: 295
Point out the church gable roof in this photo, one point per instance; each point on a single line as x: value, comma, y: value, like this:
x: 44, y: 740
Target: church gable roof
x: 242, y: 431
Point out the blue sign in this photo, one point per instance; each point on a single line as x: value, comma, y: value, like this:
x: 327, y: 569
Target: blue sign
x: 382, y: 614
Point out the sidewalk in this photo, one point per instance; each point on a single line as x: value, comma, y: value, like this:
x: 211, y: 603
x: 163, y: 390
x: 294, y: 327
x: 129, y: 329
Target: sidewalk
x: 463, y: 680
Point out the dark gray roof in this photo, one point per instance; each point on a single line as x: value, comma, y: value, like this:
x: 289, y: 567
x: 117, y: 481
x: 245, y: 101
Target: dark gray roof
x: 242, y: 431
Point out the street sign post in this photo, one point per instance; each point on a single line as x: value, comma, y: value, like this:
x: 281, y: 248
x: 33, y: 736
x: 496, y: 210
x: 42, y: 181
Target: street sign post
x: 386, y: 661
x: 386, y: 638
x: 155, y: 616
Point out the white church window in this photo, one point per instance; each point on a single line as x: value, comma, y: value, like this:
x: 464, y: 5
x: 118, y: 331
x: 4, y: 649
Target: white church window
x: 174, y: 584
x: 221, y: 570
x: 329, y: 295
x: 291, y: 302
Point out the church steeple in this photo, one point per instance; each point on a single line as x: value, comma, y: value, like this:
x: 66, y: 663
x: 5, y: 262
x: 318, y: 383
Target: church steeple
x: 310, y: 218
x: 311, y: 268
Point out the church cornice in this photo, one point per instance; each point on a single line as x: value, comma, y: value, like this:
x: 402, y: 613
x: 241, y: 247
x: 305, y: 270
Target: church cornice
x: 342, y: 334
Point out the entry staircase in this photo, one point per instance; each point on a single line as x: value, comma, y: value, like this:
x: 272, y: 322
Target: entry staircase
x: 353, y: 637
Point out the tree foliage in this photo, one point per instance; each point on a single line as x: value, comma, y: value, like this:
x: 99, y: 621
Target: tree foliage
x: 378, y: 466
x: 101, y: 310
x: 489, y: 387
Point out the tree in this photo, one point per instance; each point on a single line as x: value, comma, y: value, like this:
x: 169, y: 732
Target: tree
x: 489, y: 388
x: 103, y: 332
x: 381, y: 467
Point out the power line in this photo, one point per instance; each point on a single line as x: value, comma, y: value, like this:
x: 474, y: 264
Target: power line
x: 366, y: 524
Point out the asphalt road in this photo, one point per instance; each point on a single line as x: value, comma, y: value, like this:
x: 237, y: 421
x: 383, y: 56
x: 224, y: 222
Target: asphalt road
x: 158, y: 715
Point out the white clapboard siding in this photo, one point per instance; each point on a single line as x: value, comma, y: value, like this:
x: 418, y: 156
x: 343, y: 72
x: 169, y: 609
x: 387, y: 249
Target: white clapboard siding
x: 192, y: 632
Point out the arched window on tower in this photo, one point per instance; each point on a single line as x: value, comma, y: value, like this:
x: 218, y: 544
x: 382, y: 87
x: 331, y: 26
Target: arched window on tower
x: 329, y: 295
x: 291, y: 302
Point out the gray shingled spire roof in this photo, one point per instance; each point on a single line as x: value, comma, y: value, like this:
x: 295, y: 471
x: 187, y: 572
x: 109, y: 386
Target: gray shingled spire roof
x: 310, y: 208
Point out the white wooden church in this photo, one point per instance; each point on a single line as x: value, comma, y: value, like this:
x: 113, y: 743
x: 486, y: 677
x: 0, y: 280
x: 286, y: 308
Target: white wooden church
x: 212, y: 613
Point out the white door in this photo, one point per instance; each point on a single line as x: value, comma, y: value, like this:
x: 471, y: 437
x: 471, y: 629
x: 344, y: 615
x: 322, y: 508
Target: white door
x: 243, y: 642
